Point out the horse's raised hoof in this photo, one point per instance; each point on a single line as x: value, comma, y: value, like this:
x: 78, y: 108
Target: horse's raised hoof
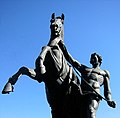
x: 7, y: 88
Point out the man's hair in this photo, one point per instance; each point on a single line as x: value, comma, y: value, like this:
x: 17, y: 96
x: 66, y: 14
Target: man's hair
x: 99, y: 57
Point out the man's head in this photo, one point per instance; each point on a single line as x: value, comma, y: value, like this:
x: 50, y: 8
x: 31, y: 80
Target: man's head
x: 95, y: 59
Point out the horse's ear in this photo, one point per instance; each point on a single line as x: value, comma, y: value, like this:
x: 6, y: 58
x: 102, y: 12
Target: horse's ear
x: 53, y: 16
x: 62, y: 16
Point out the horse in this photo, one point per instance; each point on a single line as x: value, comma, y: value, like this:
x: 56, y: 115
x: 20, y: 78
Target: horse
x: 51, y: 67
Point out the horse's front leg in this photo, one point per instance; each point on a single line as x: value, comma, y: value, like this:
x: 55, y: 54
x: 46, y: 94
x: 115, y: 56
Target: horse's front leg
x: 12, y: 80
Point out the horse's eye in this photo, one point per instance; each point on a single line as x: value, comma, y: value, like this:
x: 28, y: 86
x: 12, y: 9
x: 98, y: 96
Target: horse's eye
x: 59, y: 25
x: 56, y: 25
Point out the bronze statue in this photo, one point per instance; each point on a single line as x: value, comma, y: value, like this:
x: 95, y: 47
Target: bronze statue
x: 66, y: 96
x: 91, y: 81
x: 62, y: 85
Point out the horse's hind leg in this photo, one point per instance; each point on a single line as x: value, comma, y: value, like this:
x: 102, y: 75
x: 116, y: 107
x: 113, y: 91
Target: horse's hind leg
x: 12, y: 80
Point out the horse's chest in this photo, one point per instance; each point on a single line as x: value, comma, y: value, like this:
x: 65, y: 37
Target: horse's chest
x: 57, y: 56
x: 57, y: 53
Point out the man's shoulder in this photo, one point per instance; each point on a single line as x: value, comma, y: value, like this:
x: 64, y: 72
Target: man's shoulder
x: 107, y: 73
x: 85, y: 68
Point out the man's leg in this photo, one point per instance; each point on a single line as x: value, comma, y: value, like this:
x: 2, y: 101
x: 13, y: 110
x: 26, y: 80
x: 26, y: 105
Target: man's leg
x: 91, y: 108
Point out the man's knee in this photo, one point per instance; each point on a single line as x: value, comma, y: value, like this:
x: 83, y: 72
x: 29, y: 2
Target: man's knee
x: 93, y: 108
x: 92, y: 112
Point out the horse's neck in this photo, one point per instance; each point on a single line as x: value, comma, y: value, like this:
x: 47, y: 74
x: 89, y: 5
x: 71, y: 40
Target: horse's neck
x: 54, y: 41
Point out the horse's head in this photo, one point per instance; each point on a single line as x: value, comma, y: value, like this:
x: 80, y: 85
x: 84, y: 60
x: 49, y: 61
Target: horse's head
x: 56, y: 26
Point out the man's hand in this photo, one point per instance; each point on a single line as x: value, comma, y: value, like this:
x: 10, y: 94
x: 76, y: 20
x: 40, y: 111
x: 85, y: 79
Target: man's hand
x: 111, y: 104
x: 75, y: 63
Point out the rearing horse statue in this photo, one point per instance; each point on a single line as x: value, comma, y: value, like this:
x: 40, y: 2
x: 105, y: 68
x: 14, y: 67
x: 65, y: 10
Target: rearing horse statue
x: 62, y: 85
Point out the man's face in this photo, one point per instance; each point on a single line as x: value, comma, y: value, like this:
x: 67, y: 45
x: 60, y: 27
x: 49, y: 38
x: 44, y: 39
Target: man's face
x: 94, y: 60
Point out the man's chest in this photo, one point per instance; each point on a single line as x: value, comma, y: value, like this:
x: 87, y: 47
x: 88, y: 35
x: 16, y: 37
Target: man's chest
x: 95, y: 75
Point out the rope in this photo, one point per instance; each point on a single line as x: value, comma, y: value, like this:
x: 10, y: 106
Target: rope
x: 100, y: 96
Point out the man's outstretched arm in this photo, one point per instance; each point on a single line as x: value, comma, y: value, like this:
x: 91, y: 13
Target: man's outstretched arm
x: 68, y: 56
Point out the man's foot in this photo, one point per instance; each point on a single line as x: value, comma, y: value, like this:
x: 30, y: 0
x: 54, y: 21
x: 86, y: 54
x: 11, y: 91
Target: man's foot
x: 7, y: 88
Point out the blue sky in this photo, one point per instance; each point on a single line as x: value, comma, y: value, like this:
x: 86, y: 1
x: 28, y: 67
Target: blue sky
x: 90, y: 26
